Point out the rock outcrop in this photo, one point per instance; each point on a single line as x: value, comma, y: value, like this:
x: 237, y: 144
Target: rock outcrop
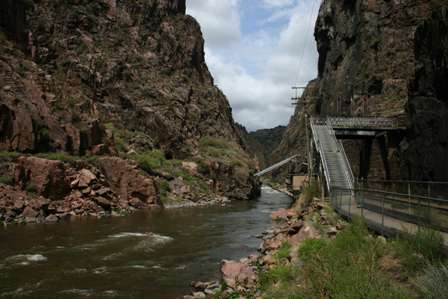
x: 45, y: 190
x: 88, y: 63
x: 111, y: 78
x: 385, y: 58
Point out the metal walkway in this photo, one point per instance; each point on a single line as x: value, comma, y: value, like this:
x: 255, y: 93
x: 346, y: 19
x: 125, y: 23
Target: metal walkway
x: 337, y: 170
x: 275, y: 166
x: 389, y: 207
x: 359, y: 123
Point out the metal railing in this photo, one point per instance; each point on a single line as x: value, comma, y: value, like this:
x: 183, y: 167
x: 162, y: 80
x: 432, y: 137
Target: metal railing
x: 347, y: 170
x: 392, y: 213
x: 358, y: 122
x: 423, y: 188
x: 322, y: 155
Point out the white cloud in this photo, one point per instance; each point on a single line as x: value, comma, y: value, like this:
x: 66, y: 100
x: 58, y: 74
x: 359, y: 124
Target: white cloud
x: 257, y: 69
x: 220, y: 20
x: 278, y: 3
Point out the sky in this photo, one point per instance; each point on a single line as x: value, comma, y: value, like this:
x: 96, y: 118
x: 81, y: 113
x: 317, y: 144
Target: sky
x: 257, y: 50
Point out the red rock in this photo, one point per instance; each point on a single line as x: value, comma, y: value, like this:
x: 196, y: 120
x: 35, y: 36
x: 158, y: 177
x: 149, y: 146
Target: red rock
x: 85, y: 178
x: 136, y: 203
x: 190, y: 167
x: 273, y: 244
x: 47, y: 176
x: 38, y: 203
x: 129, y: 182
x: 307, y: 232
x: 237, y: 273
x: 283, y: 214
x: 29, y: 213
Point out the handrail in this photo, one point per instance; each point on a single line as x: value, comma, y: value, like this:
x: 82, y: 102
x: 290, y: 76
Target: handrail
x: 359, y: 122
x: 406, y: 182
x: 348, y: 170
x: 415, y: 196
x: 322, y: 156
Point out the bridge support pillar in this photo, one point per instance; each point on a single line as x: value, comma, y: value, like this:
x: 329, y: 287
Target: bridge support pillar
x: 364, y: 159
x: 382, y: 143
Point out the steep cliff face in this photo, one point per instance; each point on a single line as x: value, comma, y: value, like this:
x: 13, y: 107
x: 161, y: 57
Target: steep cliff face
x: 388, y: 58
x: 262, y: 143
x: 139, y: 66
x: 114, y: 77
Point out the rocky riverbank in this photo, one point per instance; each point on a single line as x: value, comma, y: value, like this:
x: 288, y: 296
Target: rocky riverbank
x: 280, y: 246
x: 54, y: 187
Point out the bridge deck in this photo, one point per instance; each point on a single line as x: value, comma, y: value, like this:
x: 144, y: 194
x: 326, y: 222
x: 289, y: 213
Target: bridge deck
x: 360, y: 123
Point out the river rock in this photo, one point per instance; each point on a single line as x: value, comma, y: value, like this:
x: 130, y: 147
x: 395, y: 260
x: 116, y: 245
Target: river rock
x: 307, y: 232
x: 199, y: 295
x: 85, y: 178
x: 179, y: 187
x: 190, y: 167
x: 29, y: 212
x: 51, y: 219
x: 234, y: 273
x: 283, y: 214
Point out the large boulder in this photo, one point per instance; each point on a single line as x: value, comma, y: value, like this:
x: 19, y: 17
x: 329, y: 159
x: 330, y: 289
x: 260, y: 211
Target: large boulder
x: 128, y: 181
x: 45, y: 177
x: 238, y: 273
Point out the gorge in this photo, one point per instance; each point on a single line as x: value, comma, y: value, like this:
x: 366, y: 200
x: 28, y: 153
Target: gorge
x: 124, y: 174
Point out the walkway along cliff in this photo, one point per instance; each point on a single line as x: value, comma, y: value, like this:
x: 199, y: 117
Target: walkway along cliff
x: 107, y: 106
x: 382, y: 59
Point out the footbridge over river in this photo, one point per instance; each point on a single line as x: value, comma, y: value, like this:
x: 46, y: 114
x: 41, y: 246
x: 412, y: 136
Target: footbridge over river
x: 388, y: 206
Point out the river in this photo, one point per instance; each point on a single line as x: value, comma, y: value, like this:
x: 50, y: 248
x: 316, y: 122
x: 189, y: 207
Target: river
x: 151, y: 254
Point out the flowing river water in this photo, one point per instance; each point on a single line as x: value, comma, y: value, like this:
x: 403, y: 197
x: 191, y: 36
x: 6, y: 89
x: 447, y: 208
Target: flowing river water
x: 152, y: 254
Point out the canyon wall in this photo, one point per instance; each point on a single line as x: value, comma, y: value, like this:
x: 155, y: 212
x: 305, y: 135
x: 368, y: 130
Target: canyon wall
x: 385, y: 58
x: 116, y: 78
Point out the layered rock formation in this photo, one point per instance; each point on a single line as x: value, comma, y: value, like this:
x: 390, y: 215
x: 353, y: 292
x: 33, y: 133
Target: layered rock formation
x: 386, y: 58
x: 137, y: 65
x: 111, y: 77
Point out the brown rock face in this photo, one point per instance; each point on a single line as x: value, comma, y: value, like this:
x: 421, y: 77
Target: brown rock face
x: 139, y: 65
x: 262, y: 143
x: 385, y: 58
x: 42, y: 176
x: 127, y: 181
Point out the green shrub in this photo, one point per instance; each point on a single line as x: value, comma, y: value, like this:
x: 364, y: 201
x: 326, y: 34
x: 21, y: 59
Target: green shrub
x: 223, y: 150
x: 6, y: 180
x: 434, y: 283
x: 426, y: 242
x: 347, y: 267
x: 283, y: 252
x: 151, y: 160
x: 310, y: 247
x: 213, y: 142
x: 9, y: 155
x: 311, y: 191
x: 283, y: 291
x: 164, y: 188
x: 279, y: 273
x: 31, y: 188
x: 59, y: 156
